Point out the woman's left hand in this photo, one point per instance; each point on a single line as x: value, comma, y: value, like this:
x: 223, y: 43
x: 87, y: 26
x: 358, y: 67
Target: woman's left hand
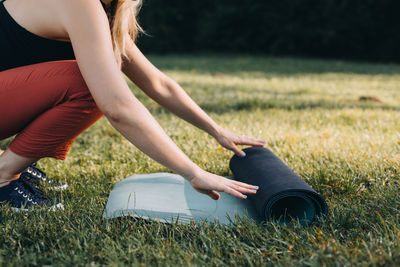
x: 230, y: 141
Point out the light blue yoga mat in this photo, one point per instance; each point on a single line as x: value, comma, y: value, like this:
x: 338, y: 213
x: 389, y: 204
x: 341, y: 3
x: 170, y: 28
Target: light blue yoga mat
x: 167, y: 197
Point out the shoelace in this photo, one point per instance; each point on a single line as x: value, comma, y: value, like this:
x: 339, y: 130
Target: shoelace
x: 37, y: 173
x: 29, y: 192
x: 35, y: 190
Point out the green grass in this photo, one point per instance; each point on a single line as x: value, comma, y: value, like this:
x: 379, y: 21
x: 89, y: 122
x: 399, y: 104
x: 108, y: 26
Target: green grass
x: 310, y: 114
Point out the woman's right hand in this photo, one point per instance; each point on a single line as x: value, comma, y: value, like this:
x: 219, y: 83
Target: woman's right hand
x: 208, y: 183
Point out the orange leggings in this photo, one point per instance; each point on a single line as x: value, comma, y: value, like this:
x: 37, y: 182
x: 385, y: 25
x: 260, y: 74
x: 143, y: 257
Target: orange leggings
x: 47, y: 105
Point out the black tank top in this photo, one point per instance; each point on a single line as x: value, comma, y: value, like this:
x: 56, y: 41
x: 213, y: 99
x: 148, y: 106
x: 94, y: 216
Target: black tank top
x: 19, y: 47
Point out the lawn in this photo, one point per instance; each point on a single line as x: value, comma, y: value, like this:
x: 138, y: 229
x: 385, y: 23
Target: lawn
x: 311, y: 115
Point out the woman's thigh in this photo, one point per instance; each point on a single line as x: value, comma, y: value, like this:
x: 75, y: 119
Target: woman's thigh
x: 29, y: 91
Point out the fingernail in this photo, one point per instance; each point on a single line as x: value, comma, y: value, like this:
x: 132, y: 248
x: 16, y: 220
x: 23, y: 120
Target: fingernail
x: 254, y: 191
x: 244, y: 196
x: 256, y: 187
x: 243, y: 155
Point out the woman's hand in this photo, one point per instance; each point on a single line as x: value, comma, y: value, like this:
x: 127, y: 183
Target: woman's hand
x: 230, y: 141
x: 208, y: 183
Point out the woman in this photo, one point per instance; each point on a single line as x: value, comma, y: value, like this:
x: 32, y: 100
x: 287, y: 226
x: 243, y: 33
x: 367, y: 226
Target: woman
x: 60, y: 70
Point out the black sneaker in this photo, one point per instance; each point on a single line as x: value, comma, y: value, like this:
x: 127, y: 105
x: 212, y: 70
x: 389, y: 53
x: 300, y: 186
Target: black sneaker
x: 35, y: 176
x: 25, y: 197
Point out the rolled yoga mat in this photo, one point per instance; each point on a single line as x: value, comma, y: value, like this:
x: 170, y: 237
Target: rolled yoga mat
x: 168, y: 197
x: 283, y: 196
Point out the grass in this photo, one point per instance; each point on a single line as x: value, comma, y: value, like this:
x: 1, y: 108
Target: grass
x: 310, y: 114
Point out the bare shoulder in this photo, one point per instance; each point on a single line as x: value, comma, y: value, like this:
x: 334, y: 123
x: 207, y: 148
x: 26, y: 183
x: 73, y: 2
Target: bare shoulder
x: 78, y: 6
x: 83, y: 13
x: 50, y: 18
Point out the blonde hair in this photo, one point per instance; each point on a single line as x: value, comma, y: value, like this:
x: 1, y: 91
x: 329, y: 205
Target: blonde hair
x: 123, y: 24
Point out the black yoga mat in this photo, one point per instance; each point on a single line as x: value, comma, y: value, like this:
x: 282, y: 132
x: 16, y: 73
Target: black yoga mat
x: 283, y: 196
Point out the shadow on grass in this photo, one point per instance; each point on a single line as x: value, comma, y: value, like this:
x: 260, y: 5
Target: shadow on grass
x: 227, y: 106
x: 256, y: 104
x: 233, y: 64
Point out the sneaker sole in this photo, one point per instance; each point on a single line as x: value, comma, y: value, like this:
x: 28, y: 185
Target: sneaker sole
x: 59, y: 188
x: 56, y: 207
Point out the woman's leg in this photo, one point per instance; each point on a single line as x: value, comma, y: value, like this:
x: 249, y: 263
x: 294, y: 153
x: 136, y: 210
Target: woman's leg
x: 47, y: 105
x: 11, y: 165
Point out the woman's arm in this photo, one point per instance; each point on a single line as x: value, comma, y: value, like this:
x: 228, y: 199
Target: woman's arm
x: 87, y: 27
x: 169, y: 94
x: 164, y: 90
